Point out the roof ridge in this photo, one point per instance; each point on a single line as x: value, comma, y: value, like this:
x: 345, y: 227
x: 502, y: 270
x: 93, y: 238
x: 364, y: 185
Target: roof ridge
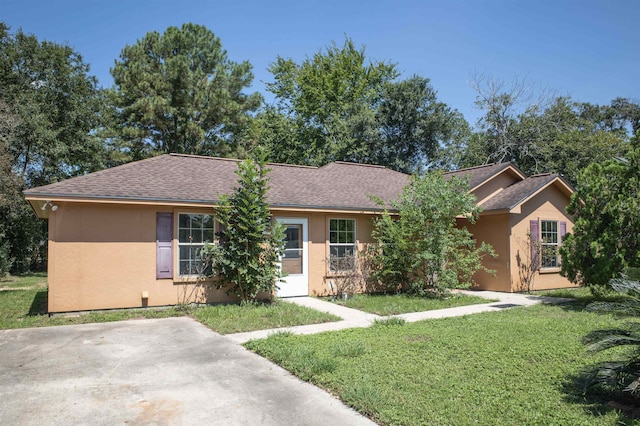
x: 542, y: 174
x: 300, y: 166
x: 350, y: 163
x: 204, y: 157
x: 237, y: 160
x: 477, y: 167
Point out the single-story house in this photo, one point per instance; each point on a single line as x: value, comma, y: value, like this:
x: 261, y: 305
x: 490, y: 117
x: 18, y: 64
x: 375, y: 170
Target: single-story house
x: 127, y: 236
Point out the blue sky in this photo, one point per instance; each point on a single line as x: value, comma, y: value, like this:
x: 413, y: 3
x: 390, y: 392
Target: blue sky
x: 589, y: 50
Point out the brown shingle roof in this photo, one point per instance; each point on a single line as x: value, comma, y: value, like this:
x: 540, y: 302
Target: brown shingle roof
x: 184, y: 178
x: 480, y: 174
x: 518, y: 192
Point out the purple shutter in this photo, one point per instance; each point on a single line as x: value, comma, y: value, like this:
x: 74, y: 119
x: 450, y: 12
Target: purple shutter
x: 563, y: 231
x: 164, y: 245
x: 535, y: 238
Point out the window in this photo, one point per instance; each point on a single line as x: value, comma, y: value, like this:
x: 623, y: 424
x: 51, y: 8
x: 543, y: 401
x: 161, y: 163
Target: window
x: 194, y: 230
x: 342, y: 245
x: 549, y: 243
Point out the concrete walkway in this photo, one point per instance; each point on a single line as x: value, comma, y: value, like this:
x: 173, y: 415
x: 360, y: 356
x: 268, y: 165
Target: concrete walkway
x: 353, y: 318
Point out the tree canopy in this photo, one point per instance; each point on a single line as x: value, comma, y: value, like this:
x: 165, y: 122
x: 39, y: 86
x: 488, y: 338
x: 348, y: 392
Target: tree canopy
x: 606, y: 233
x: 547, y: 133
x: 178, y: 92
x: 50, y: 108
x: 337, y: 106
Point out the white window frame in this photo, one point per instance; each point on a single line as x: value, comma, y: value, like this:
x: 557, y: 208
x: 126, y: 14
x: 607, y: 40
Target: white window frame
x: 353, y: 245
x: 544, y: 244
x: 191, y: 244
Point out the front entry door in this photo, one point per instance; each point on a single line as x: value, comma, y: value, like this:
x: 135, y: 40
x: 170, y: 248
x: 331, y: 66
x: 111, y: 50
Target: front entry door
x: 295, y: 261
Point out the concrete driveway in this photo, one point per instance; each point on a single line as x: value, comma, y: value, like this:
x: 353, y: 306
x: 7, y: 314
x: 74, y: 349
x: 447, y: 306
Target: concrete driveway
x: 172, y: 371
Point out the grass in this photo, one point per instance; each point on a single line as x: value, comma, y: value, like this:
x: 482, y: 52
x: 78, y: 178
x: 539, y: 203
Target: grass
x: 393, y: 304
x: 28, y: 308
x: 582, y: 295
x: 31, y: 281
x: 23, y: 303
x: 227, y: 319
x: 515, y: 367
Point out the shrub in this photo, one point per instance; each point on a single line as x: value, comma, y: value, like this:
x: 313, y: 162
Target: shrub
x: 422, y: 248
x: 605, y: 239
x: 622, y: 374
x: 250, y: 244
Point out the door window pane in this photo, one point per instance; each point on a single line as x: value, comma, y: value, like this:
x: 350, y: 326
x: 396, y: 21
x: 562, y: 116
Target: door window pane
x: 292, y: 258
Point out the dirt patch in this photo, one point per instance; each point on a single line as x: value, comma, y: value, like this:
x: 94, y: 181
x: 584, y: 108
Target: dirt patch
x: 158, y: 412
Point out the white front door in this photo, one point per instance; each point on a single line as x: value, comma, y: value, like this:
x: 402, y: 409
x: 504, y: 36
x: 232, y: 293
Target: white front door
x: 295, y: 261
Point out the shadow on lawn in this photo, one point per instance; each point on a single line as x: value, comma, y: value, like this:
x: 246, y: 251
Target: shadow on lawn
x: 582, y: 295
x: 39, y: 304
x: 598, y: 402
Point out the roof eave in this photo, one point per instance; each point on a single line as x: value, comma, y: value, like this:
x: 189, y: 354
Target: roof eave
x: 330, y: 209
x: 34, y: 198
x: 494, y: 211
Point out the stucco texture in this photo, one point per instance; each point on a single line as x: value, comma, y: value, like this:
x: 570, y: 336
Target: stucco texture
x: 549, y: 204
x: 103, y: 256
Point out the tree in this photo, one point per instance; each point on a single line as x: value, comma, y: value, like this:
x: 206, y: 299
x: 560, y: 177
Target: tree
x: 52, y: 106
x: 250, y: 243
x: 423, y: 249
x: 329, y: 98
x: 545, y: 133
x: 606, y: 233
x: 279, y: 134
x: 9, y: 205
x: 49, y: 110
x: 528, y: 262
x: 502, y: 102
x: 337, y: 106
x: 622, y: 116
x: 178, y: 92
x: 416, y: 130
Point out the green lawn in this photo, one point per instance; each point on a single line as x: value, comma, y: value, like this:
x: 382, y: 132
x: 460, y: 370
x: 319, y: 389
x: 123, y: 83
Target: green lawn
x: 28, y: 308
x: 32, y: 281
x: 582, y: 295
x: 392, y: 304
x: 514, y: 367
x: 23, y: 303
x: 227, y: 319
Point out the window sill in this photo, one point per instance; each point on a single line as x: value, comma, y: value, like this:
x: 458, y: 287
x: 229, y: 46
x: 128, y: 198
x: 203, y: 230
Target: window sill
x: 555, y: 270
